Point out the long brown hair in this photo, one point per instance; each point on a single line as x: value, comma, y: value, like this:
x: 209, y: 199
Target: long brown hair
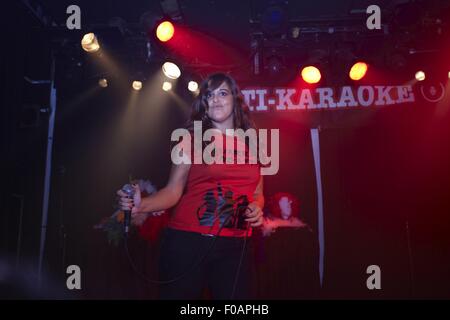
x: 241, y: 114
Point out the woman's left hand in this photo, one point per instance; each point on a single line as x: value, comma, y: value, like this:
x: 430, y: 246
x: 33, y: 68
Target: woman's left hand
x: 254, y: 215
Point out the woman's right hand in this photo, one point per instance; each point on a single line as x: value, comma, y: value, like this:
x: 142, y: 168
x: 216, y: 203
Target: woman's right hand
x: 126, y: 203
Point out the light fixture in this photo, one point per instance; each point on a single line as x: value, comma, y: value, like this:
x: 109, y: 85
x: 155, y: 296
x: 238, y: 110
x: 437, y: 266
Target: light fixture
x: 171, y: 70
x: 89, y: 43
x: 311, y: 74
x: 165, y: 31
x: 274, y: 64
x: 137, y: 85
x: 420, y: 75
x: 193, y: 86
x: 166, y: 86
x: 274, y: 20
x: 103, y: 82
x: 358, y: 71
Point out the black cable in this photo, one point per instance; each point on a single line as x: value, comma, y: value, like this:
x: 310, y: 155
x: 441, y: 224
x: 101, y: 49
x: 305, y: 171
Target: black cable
x: 183, y: 274
x: 240, y: 262
x: 165, y: 281
x: 173, y: 279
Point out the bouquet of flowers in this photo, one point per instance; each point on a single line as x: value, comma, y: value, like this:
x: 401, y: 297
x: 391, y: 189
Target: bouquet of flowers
x: 147, y: 229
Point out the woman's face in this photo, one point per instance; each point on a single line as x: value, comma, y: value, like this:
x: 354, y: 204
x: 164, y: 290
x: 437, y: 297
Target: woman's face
x: 220, y: 103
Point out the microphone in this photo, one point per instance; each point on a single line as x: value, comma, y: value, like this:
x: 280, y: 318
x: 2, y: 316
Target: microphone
x: 129, y: 190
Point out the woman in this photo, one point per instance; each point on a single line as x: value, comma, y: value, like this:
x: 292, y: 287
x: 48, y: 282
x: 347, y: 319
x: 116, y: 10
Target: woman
x: 215, y: 207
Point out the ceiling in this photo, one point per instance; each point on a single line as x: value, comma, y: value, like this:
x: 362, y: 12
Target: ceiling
x: 235, y: 22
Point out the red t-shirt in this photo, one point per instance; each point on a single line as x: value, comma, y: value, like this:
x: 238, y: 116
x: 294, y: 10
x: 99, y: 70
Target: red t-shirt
x: 216, y: 196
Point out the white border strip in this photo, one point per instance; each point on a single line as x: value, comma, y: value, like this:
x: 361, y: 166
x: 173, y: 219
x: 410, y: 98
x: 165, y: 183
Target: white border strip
x: 320, y: 227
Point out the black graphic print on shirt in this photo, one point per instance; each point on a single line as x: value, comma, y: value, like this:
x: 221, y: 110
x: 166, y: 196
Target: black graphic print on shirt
x: 223, y: 207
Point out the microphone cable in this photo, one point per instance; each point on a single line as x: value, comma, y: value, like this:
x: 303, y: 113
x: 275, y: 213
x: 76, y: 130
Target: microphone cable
x: 135, y: 269
x: 241, y: 259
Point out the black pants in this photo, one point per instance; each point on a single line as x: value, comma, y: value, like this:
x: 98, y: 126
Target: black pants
x: 198, y: 261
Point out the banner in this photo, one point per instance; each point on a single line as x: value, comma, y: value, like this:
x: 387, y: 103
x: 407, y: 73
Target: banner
x: 346, y: 97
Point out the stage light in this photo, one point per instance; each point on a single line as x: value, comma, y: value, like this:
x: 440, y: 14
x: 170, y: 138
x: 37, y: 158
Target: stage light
x: 420, y: 75
x: 192, y: 86
x: 274, y: 65
x: 171, y: 70
x: 103, y: 82
x: 295, y: 32
x: 449, y: 74
x: 137, y: 85
x: 275, y: 21
x: 166, y: 86
x: 311, y: 74
x: 89, y: 43
x: 358, y: 71
x: 165, y: 31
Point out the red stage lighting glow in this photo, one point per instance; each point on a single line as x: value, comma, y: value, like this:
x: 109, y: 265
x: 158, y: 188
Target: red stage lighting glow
x: 358, y: 71
x: 165, y: 31
x: 311, y: 74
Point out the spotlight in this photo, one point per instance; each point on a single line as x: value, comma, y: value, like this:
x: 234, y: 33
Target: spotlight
x: 89, y: 43
x: 295, y: 32
x: 103, y: 82
x: 166, y: 86
x: 192, y: 86
x: 171, y: 70
x: 358, y: 71
x: 420, y: 75
x: 274, y: 20
x: 165, y: 31
x: 274, y: 65
x: 311, y: 74
x: 449, y: 74
x: 137, y: 85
